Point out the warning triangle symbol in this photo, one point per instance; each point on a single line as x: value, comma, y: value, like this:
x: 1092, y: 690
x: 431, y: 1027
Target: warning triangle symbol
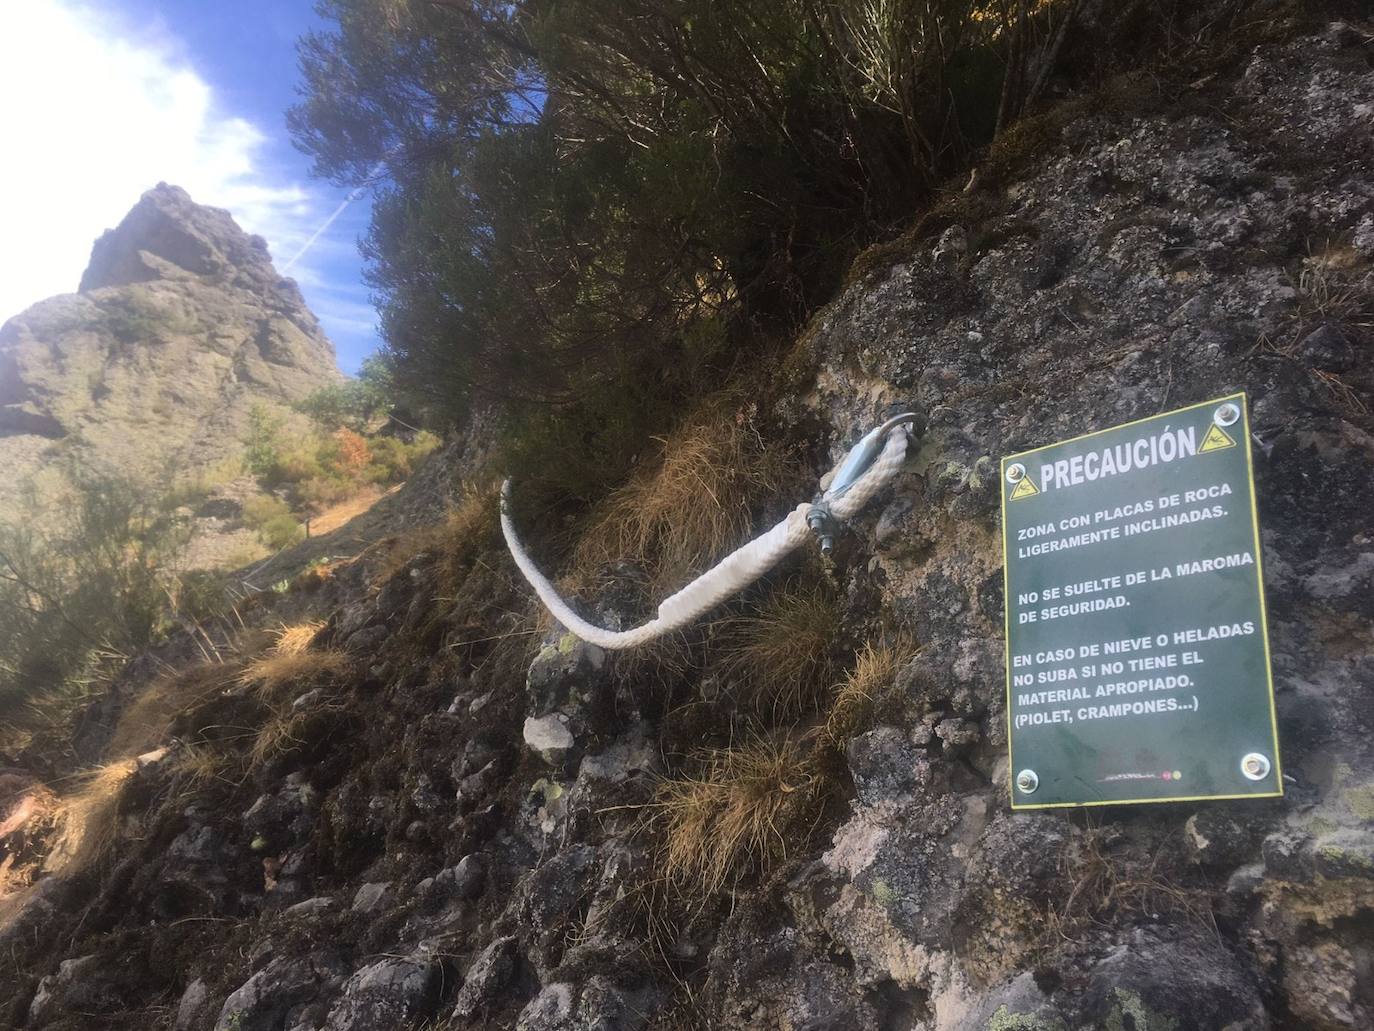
x: 1216, y: 439
x: 1024, y: 489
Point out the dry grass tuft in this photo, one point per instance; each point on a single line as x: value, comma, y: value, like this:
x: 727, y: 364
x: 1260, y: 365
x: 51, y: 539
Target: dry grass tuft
x: 859, y: 693
x: 196, y: 765
x: 91, y: 819
x: 739, y: 813
x: 779, y: 658
x: 279, y: 736
x: 147, y: 720
x: 270, y: 674
x: 1108, y: 886
x: 693, y: 503
x: 294, y: 640
x: 1334, y: 292
x: 290, y: 665
x: 469, y: 525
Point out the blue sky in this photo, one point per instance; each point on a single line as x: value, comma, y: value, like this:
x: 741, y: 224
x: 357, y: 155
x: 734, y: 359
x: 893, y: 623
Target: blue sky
x: 104, y: 98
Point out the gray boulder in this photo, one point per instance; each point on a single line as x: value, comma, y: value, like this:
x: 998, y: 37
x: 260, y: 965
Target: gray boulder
x: 389, y: 993
x: 280, y: 989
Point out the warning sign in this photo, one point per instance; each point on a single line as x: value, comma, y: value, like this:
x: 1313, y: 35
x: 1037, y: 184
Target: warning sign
x: 1215, y: 440
x: 1137, y: 644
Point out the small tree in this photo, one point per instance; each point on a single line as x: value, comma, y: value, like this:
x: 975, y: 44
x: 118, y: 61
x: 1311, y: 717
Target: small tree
x: 356, y: 403
x: 83, y: 583
x: 262, y: 445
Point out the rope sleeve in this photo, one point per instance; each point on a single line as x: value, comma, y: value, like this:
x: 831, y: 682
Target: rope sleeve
x: 729, y: 576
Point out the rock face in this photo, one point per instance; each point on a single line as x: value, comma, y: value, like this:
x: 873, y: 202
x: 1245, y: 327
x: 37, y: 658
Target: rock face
x: 181, y: 325
x: 475, y: 804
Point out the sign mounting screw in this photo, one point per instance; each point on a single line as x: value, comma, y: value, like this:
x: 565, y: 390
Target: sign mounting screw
x: 1255, y: 766
x: 1027, y: 781
x: 1226, y: 415
x: 1015, y: 472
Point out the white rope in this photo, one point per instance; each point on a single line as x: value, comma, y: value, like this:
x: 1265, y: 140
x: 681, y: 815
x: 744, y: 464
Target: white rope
x: 729, y: 576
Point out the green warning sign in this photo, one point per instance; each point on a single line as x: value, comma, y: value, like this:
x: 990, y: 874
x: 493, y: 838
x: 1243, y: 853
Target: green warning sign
x: 1137, y: 646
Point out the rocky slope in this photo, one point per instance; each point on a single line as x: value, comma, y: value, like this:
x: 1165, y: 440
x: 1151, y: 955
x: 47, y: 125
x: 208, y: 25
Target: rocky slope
x: 452, y: 839
x: 180, y: 326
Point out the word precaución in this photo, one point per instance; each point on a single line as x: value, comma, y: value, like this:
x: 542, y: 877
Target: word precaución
x: 1165, y: 446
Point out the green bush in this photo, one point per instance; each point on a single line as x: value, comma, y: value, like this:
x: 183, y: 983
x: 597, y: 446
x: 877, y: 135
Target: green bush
x: 262, y: 444
x: 301, y: 463
x: 356, y: 403
x: 700, y: 157
x: 393, y: 460
x: 320, y: 492
x: 83, y: 585
x: 271, y: 517
x: 257, y: 511
x: 281, y: 531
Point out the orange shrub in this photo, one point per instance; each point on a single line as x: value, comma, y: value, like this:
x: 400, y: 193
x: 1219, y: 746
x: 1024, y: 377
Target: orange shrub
x: 353, y: 453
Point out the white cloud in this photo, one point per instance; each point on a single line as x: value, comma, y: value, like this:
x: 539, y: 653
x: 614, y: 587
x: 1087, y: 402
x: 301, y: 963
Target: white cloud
x: 93, y: 112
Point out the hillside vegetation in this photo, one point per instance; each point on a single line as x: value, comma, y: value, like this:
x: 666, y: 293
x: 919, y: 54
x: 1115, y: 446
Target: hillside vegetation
x: 574, y: 193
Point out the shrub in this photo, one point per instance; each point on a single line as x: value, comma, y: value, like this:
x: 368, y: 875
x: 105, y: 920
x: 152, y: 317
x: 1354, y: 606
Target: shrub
x: 301, y: 463
x: 258, y: 510
x: 350, y: 454
x: 281, y: 532
x: 393, y: 460
x: 320, y: 492
x: 272, y: 519
x: 200, y: 594
x: 82, y: 586
x: 699, y: 155
x: 262, y: 444
x: 355, y: 403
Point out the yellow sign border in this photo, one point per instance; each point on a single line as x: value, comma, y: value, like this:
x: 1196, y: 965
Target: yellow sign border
x: 1264, y: 614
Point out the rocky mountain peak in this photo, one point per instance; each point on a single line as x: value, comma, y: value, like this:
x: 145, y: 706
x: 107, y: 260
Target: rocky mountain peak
x: 168, y: 236
x: 181, y: 326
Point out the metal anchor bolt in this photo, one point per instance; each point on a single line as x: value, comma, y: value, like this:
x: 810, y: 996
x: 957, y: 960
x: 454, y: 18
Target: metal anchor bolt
x: 1227, y: 414
x: 1015, y: 471
x: 1027, y: 781
x: 1255, y: 766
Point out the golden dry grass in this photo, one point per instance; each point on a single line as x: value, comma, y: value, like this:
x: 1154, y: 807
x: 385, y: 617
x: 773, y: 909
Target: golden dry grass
x: 290, y: 663
x: 778, y: 659
x: 740, y: 812
x: 197, y: 765
x: 90, y: 819
x: 862, y: 689
x: 692, y: 503
x: 1335, y: 293
x: 295, y: 639
x: 278, y: 736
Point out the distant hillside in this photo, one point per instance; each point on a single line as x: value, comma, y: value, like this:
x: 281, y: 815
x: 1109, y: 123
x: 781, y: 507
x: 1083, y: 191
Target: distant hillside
x: 181, y: 325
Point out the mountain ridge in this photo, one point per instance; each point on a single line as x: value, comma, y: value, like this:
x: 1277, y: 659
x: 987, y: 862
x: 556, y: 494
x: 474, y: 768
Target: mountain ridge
x: 180, y: 326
